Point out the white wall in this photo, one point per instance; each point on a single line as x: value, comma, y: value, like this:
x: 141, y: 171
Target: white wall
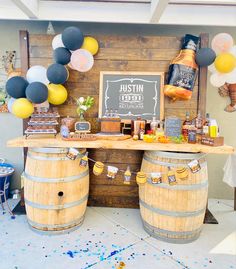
x: 215, y: 103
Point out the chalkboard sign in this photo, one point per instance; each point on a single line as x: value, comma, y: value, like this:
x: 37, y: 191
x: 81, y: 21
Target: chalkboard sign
x: 173, y: 126
x: 132, y: 94
x: 82, y: 126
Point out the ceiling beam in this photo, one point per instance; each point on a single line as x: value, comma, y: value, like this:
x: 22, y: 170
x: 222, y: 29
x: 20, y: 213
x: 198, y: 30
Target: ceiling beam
x: 29, y: 7
x: 157, y: 9
x: 94, y: 11
x: 189, y: 15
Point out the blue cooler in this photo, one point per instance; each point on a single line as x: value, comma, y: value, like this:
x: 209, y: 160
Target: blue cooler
x: 6, y: 171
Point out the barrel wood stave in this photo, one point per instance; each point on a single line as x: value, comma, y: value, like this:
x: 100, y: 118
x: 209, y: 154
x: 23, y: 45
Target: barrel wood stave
x: 173, y: 213
x: 56, y: 190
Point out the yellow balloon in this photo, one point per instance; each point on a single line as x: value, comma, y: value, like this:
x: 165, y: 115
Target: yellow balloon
x: 22, y: 108
x: 57, y: 94
x: 90, y: 44
x: 225, y: 62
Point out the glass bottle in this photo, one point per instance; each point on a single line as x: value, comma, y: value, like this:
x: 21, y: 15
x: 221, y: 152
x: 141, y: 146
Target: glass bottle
x: 142, y: 130
x: 192, y: 134
x: 199, y: 121
x: 106, y: 113
x: 205, y: 128
x: 111, y: 114
x: 186, y: 125
x: 199, y: 125
x: 154, y: 125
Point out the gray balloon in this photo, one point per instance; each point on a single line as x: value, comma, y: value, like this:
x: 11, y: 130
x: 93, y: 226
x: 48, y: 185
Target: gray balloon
x: 205, y: 56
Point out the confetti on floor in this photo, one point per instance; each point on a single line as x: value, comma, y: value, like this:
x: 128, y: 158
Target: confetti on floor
x: 113, y: 236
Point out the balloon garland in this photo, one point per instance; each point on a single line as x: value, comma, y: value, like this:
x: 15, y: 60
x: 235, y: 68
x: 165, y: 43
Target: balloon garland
x: 223, y: 68
x: 41, y: 84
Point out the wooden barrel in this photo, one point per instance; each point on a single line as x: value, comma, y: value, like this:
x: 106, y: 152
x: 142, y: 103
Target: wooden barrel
x: 173, y: 213
x: 55, y: 189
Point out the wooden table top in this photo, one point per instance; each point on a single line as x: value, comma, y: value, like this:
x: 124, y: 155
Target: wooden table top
x: 129, y: 144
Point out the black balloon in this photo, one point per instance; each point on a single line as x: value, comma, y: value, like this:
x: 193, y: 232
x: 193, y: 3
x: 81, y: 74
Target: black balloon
x: 205, y: 57
x: 61, y: 56
x: 57, y: 74
x: 72, y: 38
x: 16, y: 86
x: 37, y: 92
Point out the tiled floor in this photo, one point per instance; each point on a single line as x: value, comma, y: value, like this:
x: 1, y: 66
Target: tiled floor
x: 111, y: 235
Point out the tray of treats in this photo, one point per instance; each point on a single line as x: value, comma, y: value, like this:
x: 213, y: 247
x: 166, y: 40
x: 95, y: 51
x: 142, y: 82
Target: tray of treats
x: 40, y: 122
x: 50, y: 114
x: 32, y: 130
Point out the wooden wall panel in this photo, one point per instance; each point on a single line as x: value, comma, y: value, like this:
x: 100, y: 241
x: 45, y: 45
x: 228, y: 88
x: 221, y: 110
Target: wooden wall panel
x: 117, y: 53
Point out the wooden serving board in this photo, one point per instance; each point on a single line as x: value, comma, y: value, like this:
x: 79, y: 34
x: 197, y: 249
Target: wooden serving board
x: 113, y: 137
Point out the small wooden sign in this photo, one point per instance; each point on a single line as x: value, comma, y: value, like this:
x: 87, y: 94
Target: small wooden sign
x: 82, y: 126
x: 213, y: 141
x: 173, y: 126
x: 132, y: 94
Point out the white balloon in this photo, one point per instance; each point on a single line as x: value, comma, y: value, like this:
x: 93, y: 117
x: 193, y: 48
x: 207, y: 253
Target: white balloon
x: 233, y: 50
x: 57, y: 42
x: 231, y: 77
x: 37, y: 73
x: 212, y: 68
x: 217, y: 79
x: 10, y: 104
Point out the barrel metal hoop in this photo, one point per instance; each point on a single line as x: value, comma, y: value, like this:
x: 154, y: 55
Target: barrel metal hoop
x: 51, y: 226
x: 147, y: 158
x: 55, y: 207
x: 177, y: 155
x: 179, y: 214
x: 203, y: 184
x: 49, y: 150
x: 44, y: 158
x: 47, y: 158
x: 156, y: 232
x: 38, y: 230
x: 56, y: 180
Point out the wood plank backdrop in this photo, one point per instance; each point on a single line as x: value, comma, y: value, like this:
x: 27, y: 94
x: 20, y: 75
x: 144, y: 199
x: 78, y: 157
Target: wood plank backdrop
x: 118, y: 53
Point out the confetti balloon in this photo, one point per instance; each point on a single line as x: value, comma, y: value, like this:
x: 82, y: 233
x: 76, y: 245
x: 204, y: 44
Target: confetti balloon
x: 222, y: 42
x: 82, y: 60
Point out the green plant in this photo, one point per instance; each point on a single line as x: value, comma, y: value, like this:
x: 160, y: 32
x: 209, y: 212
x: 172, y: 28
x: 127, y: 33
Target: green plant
x: 84, y: 105
x: 3, y: 97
